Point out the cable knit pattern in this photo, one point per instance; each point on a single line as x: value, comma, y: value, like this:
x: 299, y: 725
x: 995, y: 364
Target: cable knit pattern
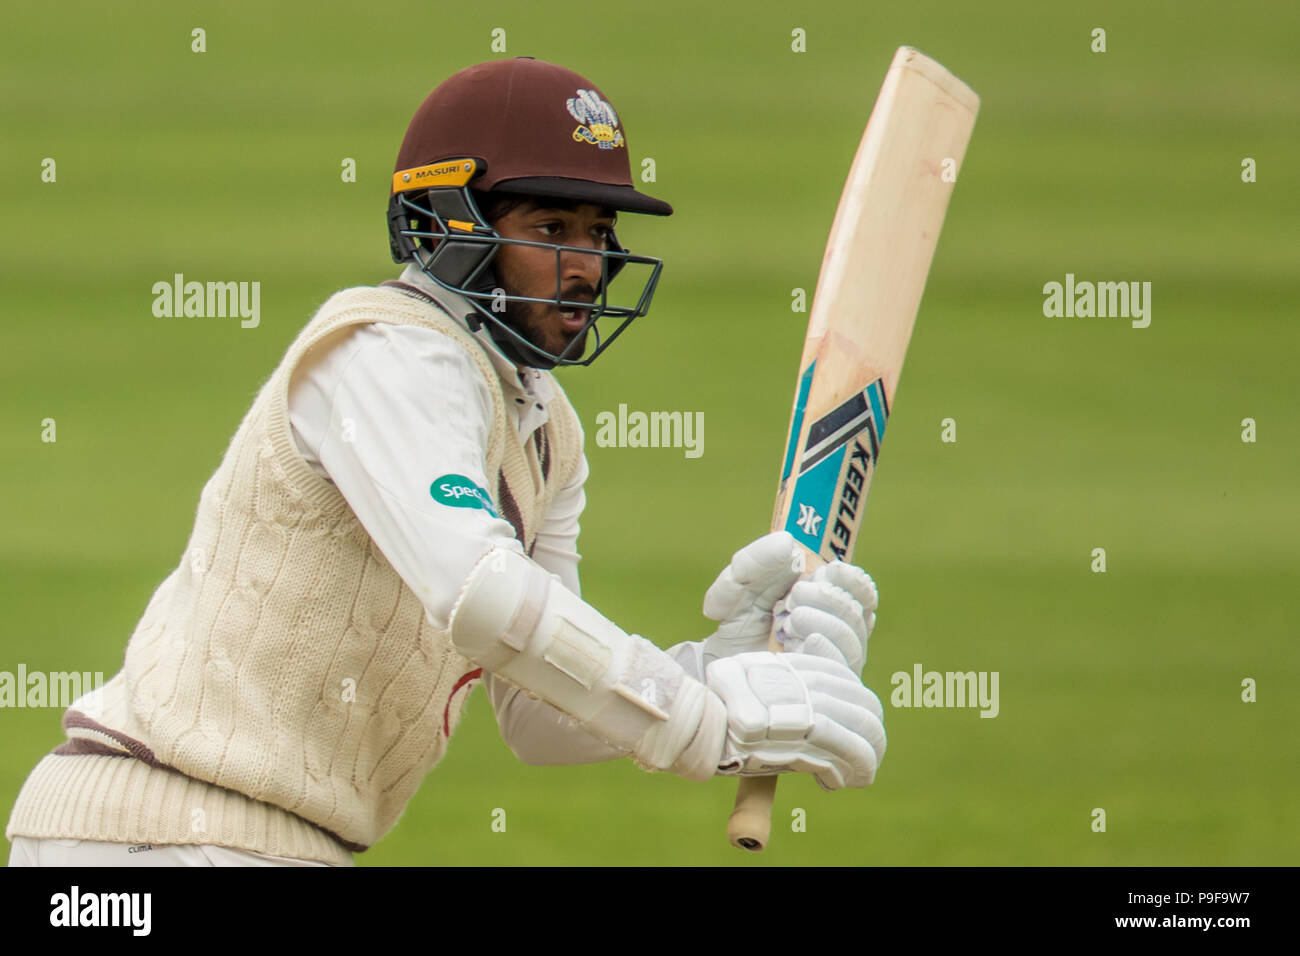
x: 231, y: 721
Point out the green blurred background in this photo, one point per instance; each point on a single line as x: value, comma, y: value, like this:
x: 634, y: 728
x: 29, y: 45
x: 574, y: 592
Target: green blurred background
x: 1119, y: 690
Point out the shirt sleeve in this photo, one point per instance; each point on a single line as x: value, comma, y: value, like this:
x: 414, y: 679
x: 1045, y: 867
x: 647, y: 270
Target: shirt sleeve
x: 556, y: 545
x: 540, y: 734
x: 385, y: 412
x: 391, y: 413
x: 536, y: 732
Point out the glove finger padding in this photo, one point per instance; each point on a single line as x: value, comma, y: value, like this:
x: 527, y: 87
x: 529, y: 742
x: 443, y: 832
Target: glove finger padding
x: 744, y: 594
x: 829, y: 597
x: 853, y: 579
x: 820, y: 609
x: 849, y: 722
x: 834, y: 680
x: 757, y: 577
x: 795, y: 713
x: 860, y: 723
x: 817, y: 646
x: 857, y: 763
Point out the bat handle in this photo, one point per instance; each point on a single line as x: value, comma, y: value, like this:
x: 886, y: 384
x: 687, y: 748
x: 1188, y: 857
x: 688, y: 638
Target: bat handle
x: 751, y: 819
x: 750, y: 825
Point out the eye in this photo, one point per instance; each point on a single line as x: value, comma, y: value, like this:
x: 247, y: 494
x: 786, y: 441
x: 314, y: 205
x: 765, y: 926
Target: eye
x: 550, y: 228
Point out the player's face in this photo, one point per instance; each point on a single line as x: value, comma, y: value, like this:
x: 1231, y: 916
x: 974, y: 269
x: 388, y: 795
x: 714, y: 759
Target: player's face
x: 530, y: 270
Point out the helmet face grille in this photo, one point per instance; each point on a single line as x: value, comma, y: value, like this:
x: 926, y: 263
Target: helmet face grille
x: 442, y: 230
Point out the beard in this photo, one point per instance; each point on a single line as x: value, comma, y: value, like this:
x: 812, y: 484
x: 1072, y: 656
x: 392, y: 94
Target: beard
x: 536, y: 323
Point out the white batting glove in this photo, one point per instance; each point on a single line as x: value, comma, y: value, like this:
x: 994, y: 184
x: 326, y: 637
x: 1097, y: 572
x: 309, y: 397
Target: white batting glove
x: 798, y: 713
x: 744, y: 594
x: 830, y: 613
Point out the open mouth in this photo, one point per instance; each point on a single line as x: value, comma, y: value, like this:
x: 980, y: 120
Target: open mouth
x: 574, y: 319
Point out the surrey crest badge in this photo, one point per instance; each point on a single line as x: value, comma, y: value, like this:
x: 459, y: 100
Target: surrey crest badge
x: 597, y: 121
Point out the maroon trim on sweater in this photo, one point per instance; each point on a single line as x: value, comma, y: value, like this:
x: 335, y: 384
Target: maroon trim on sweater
x: 542, y: 441
x: 446, y: 711
x: 76, y: 719
x: 81, y: 746
x: 409, y: 290
x: 511, y: 508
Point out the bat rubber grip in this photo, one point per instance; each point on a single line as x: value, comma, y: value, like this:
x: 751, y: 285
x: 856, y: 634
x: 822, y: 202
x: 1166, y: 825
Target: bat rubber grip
x: 751, y: 819
x: 750, y: 825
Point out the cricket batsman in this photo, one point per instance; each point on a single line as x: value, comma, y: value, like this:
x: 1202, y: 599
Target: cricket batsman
x: 395, y: 522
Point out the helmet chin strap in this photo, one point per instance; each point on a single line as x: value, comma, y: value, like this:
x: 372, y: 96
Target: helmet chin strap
x: 513, y: 351
x: 522, y: 356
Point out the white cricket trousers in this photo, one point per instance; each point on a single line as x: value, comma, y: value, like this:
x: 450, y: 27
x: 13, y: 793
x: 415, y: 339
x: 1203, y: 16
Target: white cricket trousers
x: 28, y: 851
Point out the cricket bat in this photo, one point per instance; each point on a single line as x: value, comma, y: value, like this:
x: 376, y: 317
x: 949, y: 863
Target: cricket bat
x: 872, y: 277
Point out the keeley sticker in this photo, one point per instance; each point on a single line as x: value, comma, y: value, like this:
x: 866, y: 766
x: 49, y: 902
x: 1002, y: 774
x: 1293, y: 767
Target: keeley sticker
x: 457, y: 491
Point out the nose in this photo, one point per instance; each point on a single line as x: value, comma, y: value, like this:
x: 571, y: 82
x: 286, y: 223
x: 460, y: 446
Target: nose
x: 584, y: 266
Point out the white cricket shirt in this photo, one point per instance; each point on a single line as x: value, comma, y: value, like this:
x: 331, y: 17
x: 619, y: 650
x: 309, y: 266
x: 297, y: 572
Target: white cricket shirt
x: 385, y: 411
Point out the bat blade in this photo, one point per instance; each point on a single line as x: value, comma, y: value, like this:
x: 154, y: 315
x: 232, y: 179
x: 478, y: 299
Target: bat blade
x: 872, y: 276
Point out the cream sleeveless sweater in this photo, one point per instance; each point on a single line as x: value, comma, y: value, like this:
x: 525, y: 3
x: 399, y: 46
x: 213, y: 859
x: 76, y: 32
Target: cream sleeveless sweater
x: 284, y: 691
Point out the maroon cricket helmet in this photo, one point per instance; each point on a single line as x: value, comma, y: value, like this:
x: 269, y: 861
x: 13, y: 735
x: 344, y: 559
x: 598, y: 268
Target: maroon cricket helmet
x: 517, y: 127
x: 536, y: 129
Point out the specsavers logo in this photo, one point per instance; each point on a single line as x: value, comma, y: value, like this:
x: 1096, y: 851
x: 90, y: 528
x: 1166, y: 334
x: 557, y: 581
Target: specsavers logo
x: 598, y: 123
x: 457, y: 491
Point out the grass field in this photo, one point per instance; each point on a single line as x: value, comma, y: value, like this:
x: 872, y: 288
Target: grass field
x: 1119, y: 690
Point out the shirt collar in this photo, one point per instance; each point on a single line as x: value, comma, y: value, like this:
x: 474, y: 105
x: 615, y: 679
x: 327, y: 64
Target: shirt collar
x: 530, y: 382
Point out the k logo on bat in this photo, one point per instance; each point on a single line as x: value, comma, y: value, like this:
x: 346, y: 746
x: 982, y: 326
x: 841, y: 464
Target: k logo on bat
x: 809, y: 519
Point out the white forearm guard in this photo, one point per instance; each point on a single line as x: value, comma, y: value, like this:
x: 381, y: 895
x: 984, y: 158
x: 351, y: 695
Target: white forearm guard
x: 516, y: 621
